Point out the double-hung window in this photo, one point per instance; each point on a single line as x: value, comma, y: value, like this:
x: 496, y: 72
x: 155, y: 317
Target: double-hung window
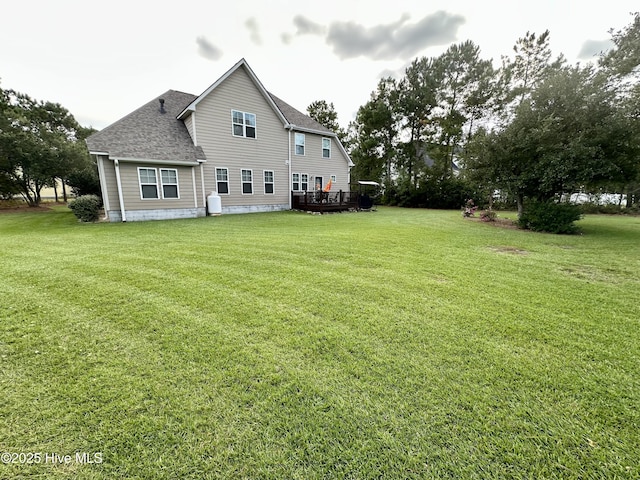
x: 148, y: 183
x: 243, y: 123
x: 222, y: 180
x: 300, y: 182
x: 247, y: 182
x: 299, y: 143
x: 169, y: 179
x: 150, y: 188
x: 326, y: 148
x: 268, y: 182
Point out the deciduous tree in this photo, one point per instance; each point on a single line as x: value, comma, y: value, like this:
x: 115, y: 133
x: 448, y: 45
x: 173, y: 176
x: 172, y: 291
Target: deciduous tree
x: 38, y: 143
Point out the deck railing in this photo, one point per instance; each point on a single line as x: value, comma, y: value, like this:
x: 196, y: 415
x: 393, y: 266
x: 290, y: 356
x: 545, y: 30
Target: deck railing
x: 318, y: 201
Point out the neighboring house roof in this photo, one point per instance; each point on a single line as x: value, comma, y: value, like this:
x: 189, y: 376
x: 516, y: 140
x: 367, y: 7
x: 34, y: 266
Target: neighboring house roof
x: 150, y: 133
x: 423, y: 155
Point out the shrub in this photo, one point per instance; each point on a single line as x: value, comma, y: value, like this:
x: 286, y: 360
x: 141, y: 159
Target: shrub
x: 469, y: 209
x: 488, y: 216
x: 86, y: 207
x: 632, y: 210
x: 550, y: 217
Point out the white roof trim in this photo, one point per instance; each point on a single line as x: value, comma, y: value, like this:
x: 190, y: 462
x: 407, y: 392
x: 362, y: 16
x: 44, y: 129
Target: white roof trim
x: 242, y: 63
x: 156, y: 161
x: 324, y: 133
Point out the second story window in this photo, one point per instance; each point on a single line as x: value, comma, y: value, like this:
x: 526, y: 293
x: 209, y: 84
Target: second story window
x: 326, y: 148
x: 299, y: 143
x: 244, y: 124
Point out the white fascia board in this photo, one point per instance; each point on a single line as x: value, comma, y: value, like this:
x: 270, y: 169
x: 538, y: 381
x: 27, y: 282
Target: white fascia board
x: 153, y: 161
x: 311, y: 130
x: 192, y: 106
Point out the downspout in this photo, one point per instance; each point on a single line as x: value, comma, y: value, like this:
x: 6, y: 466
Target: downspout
x: 195, y: 190
x: 289, y: 128
x: 119, y: 184
x: 204, y: 194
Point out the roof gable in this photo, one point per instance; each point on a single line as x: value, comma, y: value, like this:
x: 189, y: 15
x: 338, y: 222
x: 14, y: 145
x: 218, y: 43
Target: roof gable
x: 191, y: 107
x: 152, y: 132
x: 289, y: 116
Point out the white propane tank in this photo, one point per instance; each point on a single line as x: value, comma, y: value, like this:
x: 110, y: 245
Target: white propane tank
x: 214, y: 204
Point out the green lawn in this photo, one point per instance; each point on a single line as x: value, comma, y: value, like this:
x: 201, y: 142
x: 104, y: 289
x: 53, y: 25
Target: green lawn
x: 391, y: 344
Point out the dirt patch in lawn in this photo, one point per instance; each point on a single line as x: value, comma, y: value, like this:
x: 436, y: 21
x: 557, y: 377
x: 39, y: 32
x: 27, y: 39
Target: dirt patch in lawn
x: 498, y: 222
x: 510, y: 250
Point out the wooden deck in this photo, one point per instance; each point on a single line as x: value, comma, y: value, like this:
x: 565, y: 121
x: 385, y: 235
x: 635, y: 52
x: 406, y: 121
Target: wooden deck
x: 324, y: 202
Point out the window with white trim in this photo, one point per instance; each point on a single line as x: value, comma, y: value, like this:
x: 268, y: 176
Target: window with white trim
x: 326, y: 148
x: 148, y: 183
x: 169, y: 181
x: 299, y: 143
x: 269, y: 186
x: 295, y: 182
x: 247, y: 182
x: 243, y: 124
x: 222, y: 181
x: 304, y: 182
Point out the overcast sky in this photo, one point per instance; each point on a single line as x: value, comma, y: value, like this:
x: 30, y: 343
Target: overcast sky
x: 102, y: 60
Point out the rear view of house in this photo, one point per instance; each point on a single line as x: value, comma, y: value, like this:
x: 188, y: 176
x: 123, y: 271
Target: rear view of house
x: 236, y: 139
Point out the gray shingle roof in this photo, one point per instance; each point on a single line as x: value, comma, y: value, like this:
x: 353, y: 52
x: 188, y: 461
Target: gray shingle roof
x: 149, y: 134
x: 297, y: 118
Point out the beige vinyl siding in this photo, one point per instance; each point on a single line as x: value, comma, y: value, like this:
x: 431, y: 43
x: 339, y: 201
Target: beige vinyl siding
x: 188, y: 122
x: 109, y: 180
x: 131, y: 188
x: 316, y: 166
x: 268, y: 151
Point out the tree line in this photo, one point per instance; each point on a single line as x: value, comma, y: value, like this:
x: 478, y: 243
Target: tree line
x: 534, y: 129
x: 452, y: 128
x: 42, y: 145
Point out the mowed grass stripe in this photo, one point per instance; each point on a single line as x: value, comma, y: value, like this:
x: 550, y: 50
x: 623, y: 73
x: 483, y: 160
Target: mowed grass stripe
x: 400, y: 343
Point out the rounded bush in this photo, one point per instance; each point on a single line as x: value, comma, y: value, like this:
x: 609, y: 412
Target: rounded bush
x: 86, y: 207
x: 550, y: 217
